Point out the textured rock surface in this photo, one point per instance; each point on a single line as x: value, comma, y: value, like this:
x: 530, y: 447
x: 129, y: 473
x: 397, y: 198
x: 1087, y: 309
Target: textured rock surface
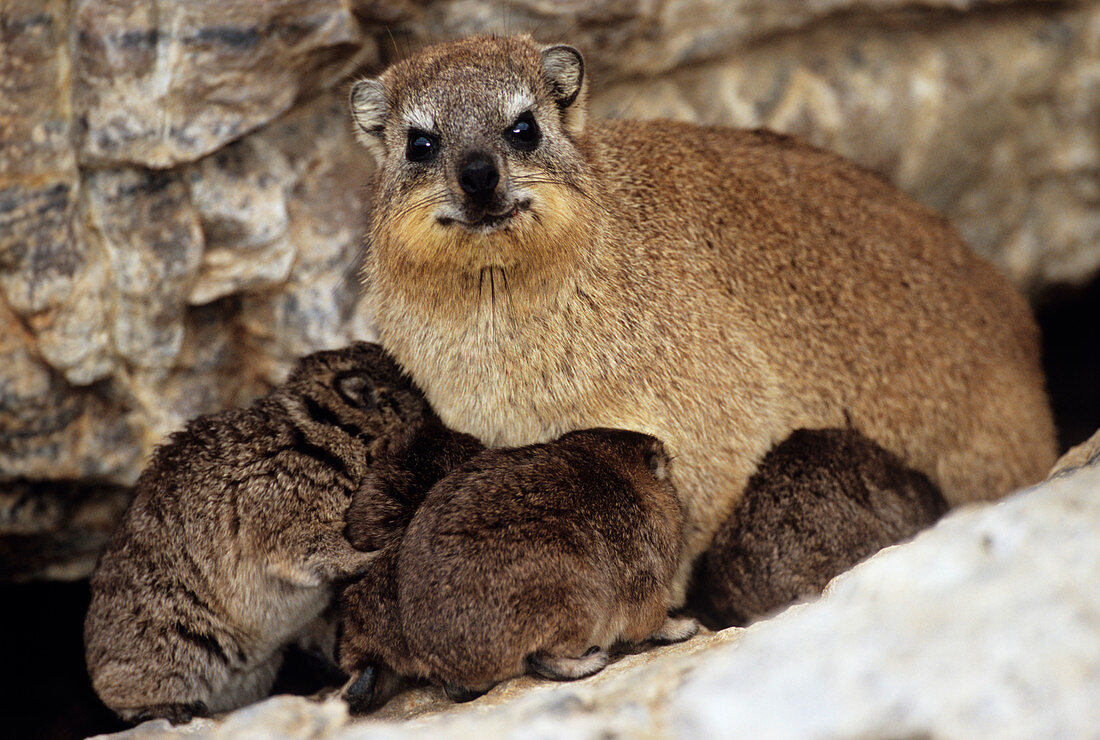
x: 162, y: 83
x: 1085, y: 454
x: 181, y: 201
x: 987, y: 625
x: 56, y: 531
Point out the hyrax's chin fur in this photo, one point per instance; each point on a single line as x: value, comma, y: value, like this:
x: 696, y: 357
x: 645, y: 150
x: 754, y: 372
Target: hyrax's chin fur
x: 234, y: 539
x: 717, y: 288
x: 419, y: 240
x: 529, y: 559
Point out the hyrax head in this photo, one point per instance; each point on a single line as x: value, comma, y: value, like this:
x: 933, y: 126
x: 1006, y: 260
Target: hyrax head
x: 642, y: 454
x: 359, y: 386
x: 476, y: 142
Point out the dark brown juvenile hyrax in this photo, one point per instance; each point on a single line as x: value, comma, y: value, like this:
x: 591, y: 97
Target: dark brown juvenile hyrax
x: 718, y: 288
x: 234, y: 539
x: 820, y: 502
x: 536, y: 558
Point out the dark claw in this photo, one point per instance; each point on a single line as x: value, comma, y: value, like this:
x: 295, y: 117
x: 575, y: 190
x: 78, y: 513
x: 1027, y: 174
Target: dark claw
x: 462, y: 694
x: 360, y: 695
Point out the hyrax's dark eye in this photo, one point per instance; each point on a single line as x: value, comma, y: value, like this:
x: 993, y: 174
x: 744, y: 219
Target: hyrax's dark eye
x: 421, y: 147
x: 524, y: 133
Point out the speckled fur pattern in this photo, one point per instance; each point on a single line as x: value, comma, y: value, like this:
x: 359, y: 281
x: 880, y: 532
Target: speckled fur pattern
x: 234, y: 539
x: 820, y: 502
x: 538, y: 558
x: 716, y: 288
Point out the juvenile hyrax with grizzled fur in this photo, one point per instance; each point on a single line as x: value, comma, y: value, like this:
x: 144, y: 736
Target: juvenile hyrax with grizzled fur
x: 713, y: 287
x: 819, y: 503
x: 234, y: 538
x: 534, y: 558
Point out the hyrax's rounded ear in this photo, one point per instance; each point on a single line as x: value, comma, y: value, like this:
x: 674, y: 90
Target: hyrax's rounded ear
x: 368, y: 110
x: 658, y: 460
x: 357, y: 390
x: 563, y: 67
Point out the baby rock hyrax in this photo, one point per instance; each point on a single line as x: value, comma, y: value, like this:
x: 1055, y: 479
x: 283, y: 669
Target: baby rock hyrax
x: 713, y: 287
x: 820, y: 502
x: 537, y: 558
x: 234, y: 538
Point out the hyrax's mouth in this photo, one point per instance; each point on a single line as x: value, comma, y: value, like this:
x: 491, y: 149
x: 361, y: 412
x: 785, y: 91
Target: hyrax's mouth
x: 488, y: 222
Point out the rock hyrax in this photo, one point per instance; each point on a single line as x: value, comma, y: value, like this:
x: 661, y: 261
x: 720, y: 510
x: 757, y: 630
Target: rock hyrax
x: 537, y: 558
x: 819, y: 503
x: 234, y: 538
x: 716, y: 288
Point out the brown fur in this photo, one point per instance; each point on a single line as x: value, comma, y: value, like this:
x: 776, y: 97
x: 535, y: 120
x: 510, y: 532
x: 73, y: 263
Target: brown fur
x: 412, y: 462
x: 819, y: 503
x: 716, y: 288
x: 231, y: 545
x: 522, y: 558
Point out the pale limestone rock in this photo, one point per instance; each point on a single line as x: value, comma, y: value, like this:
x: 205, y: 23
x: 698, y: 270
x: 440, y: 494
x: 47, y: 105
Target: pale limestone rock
x: 1085, y: 454
x: 50, y: 430
x: 165, y: 82
x: 38, y: 170
x: 632, y: 38
x: 239, y: 193
x: 987, y: 625
x: 320, y: 304
x: 145, y: 223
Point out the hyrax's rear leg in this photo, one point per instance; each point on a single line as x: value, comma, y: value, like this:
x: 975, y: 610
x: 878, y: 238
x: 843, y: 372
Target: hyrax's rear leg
x: 566, y: 668
x: 819, y: 502
x: 462, y: 694
x: 675, y: 629
x: 374, y: 685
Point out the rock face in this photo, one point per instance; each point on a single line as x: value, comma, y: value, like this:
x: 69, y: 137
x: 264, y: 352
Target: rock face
x: 987, y: 625
x: 182, y: 202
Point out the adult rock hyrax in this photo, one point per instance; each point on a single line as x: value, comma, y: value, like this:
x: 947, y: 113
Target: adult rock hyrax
x: 234, y: 538
x: 820, y: 502
x: 534, y: 558
x: 713, y: 287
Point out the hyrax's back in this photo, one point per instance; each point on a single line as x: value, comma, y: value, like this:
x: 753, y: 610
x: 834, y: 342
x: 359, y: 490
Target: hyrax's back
x: 865, y: 307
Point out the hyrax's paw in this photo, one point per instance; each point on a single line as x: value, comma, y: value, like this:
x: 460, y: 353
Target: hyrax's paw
x: 462, y: 694
x: 177, y: 714
x: 559, y: 668
x: 675, y: 629
x: 352, y: 563
x: 360, y: 692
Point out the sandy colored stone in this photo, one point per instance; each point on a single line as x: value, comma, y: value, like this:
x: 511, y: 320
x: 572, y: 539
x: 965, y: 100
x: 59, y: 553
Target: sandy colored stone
x: 1085, y: 454
x: 146, y: 225
x: 164, y: 82
x: 633, y: 38
x: 320, y: 304
x: 51, y: 430
x: 239, y: 194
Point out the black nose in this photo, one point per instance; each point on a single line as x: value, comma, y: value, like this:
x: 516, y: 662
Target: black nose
x: 479, y: 176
